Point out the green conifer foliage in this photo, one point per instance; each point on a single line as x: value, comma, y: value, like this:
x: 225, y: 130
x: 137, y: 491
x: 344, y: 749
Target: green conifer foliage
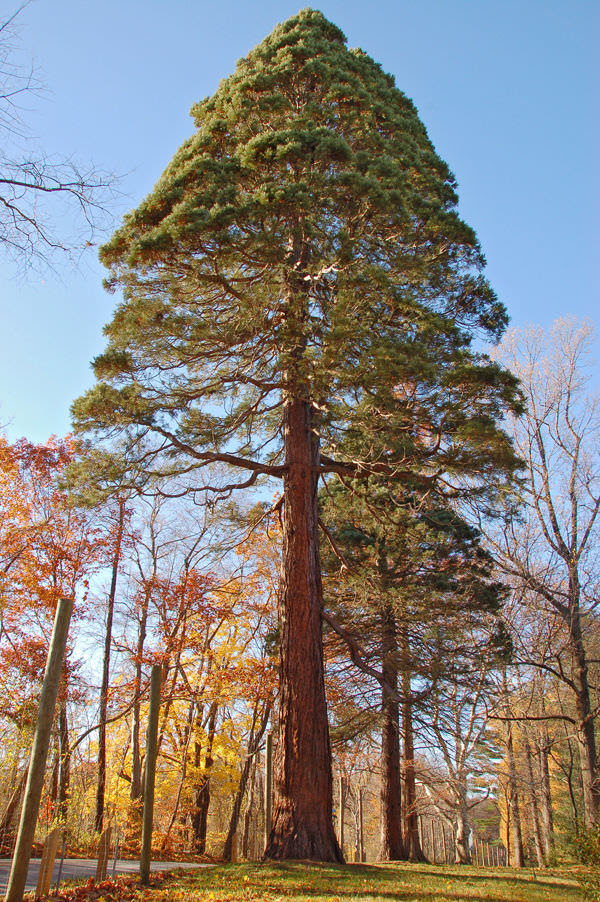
x: 300, y: 275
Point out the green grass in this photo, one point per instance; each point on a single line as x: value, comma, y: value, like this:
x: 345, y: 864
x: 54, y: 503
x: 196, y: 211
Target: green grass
x: 303, y: 882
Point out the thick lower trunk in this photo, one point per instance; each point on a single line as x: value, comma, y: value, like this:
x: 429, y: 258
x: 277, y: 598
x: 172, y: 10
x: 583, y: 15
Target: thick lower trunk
x: 392, y: 847
x: 302, y: 824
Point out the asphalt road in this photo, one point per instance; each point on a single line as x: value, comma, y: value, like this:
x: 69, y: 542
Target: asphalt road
x: 82, y: 868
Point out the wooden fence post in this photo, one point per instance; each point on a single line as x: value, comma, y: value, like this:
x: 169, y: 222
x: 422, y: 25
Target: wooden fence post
x: 39, y: 752
x: 49, y: 851
x: 150, y: 764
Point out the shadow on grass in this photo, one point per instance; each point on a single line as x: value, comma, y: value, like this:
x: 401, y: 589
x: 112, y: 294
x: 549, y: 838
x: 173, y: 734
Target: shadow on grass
x: 311, y: 879
x: 392, y: 871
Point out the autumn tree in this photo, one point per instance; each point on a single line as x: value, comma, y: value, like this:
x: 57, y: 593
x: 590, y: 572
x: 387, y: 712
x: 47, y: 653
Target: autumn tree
x: 549, y: 550
x: 48, y: 550
x: 299, y: 260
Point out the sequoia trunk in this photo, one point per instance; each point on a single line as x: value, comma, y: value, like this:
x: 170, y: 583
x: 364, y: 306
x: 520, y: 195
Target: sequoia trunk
x: 302, y: 818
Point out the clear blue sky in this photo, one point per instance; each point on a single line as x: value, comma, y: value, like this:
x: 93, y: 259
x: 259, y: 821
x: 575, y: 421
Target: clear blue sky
x: 507, y: 90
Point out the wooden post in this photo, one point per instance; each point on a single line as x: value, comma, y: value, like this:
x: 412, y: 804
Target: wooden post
x: 433, y: 860
x: 444, y: 847
x: 268, y: 786
x: 150, y: 767
x: 47, y: 863
x: 103, y: 855
x: 39, y: 752
x: 342, y: 806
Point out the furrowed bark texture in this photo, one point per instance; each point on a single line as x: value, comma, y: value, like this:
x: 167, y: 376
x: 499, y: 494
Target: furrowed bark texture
x: 392, y: 847
x: 302, y: 822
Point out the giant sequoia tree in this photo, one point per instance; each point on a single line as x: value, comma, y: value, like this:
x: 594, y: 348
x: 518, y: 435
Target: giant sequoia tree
x: 297, y: 275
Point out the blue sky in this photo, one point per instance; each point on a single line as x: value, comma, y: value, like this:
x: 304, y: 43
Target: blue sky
x: 507, y: 90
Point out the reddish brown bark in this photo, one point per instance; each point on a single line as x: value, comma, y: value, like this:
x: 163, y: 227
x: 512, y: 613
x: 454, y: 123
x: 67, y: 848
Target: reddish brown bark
x: 302, y: 816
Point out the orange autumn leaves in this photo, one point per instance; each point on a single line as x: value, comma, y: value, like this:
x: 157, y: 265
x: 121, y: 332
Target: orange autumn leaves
x: 48, y: 549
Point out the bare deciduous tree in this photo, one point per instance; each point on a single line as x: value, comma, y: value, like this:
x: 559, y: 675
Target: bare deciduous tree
x: 549, y: 550
x: 49, y: 205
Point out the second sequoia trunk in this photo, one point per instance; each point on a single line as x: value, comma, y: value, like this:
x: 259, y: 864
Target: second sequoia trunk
x: 392, y: 847
x: 302, y: 821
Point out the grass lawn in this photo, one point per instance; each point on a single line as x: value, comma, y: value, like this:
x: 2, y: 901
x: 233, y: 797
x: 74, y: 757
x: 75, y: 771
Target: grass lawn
x: 299, y: 882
